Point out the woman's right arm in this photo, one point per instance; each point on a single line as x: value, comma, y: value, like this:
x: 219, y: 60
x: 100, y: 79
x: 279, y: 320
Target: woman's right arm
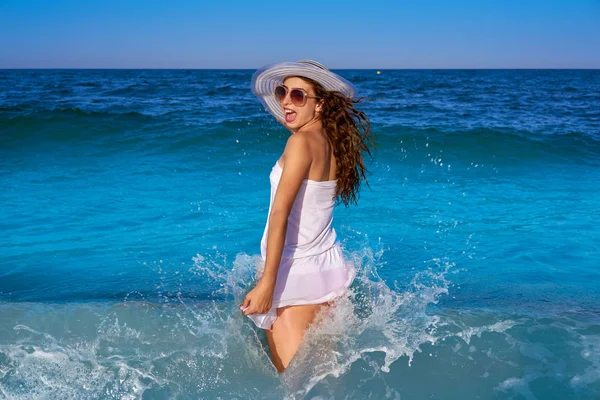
x: 297, y: 161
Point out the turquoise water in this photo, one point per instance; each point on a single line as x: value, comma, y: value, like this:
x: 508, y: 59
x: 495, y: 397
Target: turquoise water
x: 133, y: 203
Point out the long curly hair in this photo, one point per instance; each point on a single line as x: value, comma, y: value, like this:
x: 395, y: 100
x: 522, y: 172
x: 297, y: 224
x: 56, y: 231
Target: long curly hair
x: 349, y: 133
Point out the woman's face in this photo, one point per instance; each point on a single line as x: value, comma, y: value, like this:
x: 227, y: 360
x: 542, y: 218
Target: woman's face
x: 297, y: 117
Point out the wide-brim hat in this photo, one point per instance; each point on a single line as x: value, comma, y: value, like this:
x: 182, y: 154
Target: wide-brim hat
x: 267, y: 78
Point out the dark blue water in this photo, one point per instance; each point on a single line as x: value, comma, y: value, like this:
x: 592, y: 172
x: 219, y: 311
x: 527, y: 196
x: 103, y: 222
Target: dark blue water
x: 133, y: 203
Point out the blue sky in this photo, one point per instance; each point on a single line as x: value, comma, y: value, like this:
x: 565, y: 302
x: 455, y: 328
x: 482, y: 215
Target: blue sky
x: 374, y: 34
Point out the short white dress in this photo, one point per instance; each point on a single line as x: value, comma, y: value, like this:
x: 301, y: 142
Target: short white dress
x: 312, y: 268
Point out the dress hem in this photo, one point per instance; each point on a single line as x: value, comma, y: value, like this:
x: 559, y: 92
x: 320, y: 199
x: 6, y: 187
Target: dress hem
x: 265, y: 321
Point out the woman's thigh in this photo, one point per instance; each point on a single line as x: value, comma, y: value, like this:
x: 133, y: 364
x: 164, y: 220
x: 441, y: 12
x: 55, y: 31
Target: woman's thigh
x: 288, y: 330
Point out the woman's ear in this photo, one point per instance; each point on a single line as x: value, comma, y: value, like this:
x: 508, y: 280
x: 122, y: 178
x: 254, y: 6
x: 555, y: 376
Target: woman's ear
x: 319, y: 106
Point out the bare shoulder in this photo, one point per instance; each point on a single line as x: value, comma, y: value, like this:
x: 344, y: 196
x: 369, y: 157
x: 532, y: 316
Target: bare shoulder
x: 298, y: 141
x: 297, y: 146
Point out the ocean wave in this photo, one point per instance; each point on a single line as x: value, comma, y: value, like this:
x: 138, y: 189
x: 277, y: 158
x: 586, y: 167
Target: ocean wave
x: 221, y: 90
x: 61, y: 113
x: 137, y: 88
x: 65, y: 124
x: 500, y: 145
x: 174, y: 132
x: 88, y: 84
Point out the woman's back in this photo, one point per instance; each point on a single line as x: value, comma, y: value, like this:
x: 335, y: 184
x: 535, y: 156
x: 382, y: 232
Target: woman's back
x: 309, y: 231
x: 323, y: 166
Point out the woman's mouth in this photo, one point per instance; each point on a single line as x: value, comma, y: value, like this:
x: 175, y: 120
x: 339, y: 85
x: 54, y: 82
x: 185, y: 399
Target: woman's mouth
x: 290, y: 116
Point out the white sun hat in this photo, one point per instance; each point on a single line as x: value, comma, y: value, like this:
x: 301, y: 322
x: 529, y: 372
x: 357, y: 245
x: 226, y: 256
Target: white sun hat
x: 267, y: 78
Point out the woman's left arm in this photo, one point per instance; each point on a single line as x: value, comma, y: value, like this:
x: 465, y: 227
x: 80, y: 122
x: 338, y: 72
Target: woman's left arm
x: 297, y: 161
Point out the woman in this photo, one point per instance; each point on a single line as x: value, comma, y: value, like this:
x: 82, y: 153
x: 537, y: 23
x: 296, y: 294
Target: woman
x: 304, y: 268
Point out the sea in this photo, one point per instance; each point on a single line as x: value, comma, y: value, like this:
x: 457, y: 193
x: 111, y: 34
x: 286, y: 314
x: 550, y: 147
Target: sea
x: 132, y: 204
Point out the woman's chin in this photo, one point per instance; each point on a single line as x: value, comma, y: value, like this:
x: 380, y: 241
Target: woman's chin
x: 291, y: 125
x: 296, y: 124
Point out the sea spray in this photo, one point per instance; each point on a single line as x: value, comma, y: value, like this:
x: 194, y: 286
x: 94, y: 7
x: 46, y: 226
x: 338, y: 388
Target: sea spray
x: 372, y: 318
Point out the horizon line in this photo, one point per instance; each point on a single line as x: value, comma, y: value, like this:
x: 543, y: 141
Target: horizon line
x: 253, y: 69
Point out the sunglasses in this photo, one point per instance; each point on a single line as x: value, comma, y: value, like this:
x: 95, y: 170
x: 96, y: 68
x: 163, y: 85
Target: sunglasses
x: 298, y: 96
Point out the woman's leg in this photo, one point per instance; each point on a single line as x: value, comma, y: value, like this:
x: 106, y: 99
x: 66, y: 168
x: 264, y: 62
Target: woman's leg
x: 287, y: 332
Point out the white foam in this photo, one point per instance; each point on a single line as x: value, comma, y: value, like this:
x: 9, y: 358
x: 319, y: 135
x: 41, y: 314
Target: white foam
x: 500, y: 327
x: 372, y: 319
x: 591, y: 353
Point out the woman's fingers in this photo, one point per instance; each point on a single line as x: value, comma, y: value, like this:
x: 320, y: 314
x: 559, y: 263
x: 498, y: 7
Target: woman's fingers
x: 255, y: 304
x: 252, y: 309
x: 245, y: 304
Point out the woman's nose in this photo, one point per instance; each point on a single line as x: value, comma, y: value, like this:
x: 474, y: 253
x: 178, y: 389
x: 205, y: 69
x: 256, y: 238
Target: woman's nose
x: 287, y: 99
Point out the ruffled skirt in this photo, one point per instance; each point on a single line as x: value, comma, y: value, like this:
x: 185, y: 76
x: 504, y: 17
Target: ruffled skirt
x: 308, y: 280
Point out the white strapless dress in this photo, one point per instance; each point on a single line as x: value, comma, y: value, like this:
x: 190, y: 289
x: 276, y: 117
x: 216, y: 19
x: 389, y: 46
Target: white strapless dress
x: 312, y: 268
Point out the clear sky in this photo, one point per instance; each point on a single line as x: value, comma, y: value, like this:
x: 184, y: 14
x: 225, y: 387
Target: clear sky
x: 375, y: 34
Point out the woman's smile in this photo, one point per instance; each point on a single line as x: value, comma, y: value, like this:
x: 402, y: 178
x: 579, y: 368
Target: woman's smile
x: 290, y: 115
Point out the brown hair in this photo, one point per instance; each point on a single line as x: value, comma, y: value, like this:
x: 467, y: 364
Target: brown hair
x: 349, y: 133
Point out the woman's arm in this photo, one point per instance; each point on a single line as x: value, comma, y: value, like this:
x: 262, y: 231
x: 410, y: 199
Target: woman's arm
x: 297, y: 161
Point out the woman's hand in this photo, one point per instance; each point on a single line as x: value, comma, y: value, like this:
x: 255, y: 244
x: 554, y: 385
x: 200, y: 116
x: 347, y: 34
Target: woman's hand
x: 259, y: 299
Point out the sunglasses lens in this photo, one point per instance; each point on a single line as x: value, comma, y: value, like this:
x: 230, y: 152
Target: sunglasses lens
x: 280, y: 93
x: 297, y: 97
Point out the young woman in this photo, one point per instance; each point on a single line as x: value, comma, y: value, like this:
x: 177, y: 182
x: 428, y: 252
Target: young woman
x: 322, y: 162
